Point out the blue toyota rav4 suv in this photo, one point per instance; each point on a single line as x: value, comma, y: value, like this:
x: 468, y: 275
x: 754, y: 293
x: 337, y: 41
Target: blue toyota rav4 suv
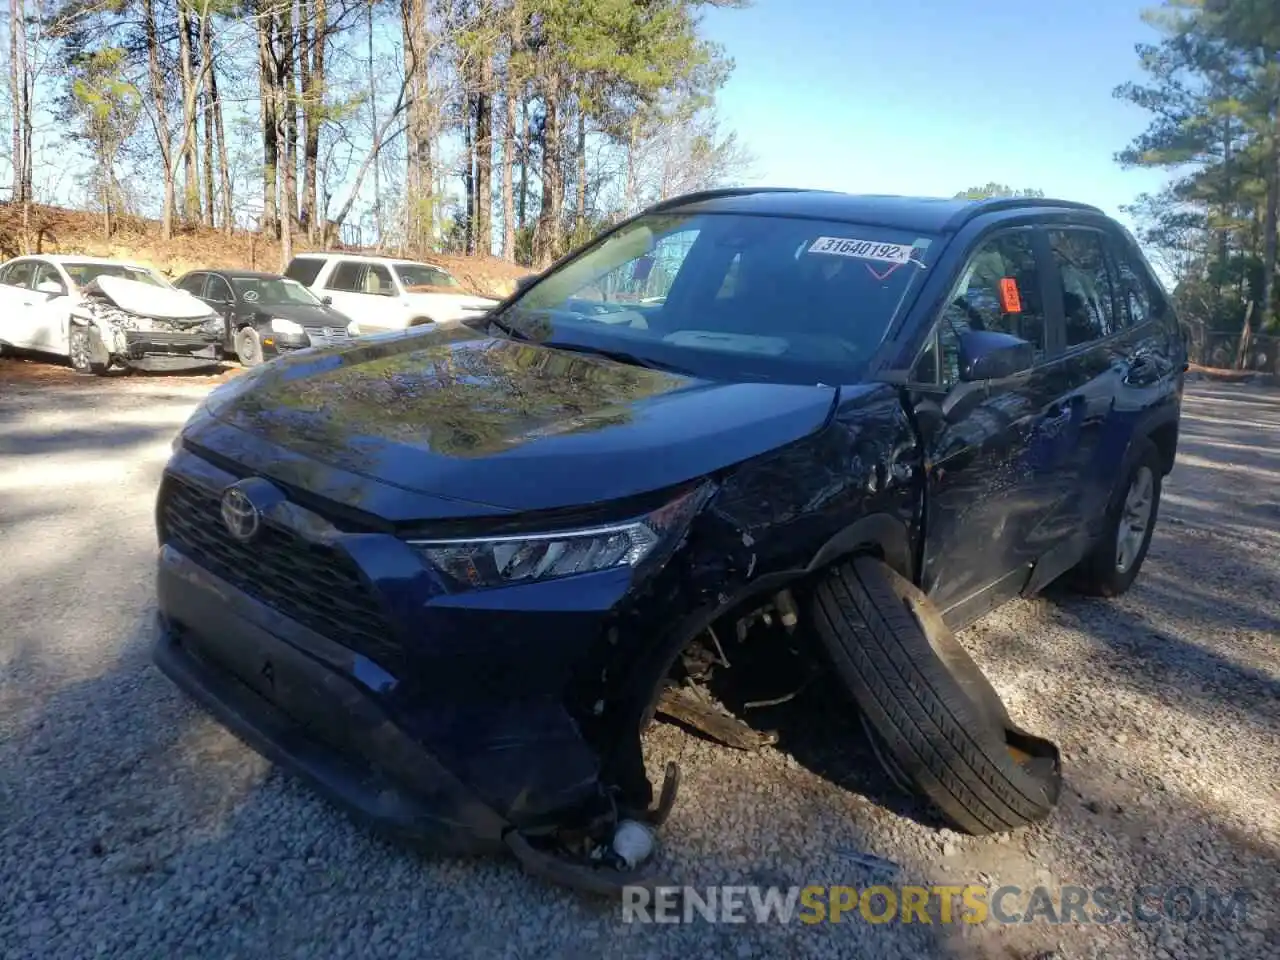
x: 446, y: 574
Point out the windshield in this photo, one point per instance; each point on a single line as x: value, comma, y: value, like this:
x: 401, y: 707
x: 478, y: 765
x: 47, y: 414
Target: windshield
x: 422, y: 275
x: 83, y: 273
x: 728, y: 296
x: 273, y: 290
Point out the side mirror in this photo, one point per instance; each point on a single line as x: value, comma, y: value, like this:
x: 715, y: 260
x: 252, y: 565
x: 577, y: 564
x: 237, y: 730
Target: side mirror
x: 525, y: 282
x: 986, y: 355
x: 51, y: 287
x: 327, y: 301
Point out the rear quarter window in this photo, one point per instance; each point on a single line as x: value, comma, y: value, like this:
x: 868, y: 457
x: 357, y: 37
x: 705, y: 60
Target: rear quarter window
x: 304, y: 270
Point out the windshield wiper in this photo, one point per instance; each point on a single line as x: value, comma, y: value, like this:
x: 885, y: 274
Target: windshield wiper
x: 621, y: 356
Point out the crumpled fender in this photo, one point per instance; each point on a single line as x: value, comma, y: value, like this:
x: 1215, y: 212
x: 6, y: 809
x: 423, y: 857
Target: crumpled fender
x: 111, y: 335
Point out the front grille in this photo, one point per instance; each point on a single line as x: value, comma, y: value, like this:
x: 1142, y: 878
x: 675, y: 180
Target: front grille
x: 308, y: 582
x: 319, y: 338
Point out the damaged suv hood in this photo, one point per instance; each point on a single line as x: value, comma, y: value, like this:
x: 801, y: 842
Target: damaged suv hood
x: 514, y: 425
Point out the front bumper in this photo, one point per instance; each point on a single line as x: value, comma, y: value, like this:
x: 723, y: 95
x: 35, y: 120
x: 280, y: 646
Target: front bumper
x: 442, y: 716
x: 310, y: 720
x: 159, y: 350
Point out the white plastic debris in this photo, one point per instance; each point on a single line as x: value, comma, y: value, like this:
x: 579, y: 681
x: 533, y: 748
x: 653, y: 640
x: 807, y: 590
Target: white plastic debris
x: 633, y: 842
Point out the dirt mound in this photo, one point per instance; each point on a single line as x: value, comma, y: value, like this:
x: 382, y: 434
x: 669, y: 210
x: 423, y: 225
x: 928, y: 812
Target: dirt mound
x: 56, y: 230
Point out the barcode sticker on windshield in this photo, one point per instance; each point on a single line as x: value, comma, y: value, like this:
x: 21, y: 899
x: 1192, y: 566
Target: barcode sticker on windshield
x: 863, y: 249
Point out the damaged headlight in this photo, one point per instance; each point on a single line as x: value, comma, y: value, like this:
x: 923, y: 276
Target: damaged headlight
x: 528, y: 557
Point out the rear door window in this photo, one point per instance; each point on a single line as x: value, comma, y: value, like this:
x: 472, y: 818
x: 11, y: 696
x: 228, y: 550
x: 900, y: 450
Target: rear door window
x: 346, y: 277
x: 1138, y: 300
x: 377, y: 281
x: 304, y: 270
x: 19, y: 274
x: 1089, y: 301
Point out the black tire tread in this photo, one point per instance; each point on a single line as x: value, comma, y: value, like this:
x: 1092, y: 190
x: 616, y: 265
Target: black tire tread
x: 881, y: 651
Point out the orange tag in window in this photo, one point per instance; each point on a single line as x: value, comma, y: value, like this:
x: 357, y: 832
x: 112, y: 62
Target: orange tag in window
x: 1010, y: 302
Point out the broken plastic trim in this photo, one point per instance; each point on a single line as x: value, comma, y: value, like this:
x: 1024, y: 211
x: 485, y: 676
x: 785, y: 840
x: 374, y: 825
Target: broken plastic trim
x: 591, y: 878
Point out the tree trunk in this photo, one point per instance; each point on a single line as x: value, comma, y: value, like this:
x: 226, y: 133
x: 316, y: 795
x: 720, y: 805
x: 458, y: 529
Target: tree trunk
x: 312, y: 37
x: 582, y: 174
x: 373, y: 125
x: 483, y: 245
x: 508, y: 171
x: 523, y: 150
x: 156, y: 75
x: 17, y: 90
x: 191, y: 176
x: 420, y: 177
x: 224, y: 168
x: 288, y: 100
x: 547, y: 241
x: 267, y: 83
x: 1269, y: 225
x: 210, y: 95
x: 468, y: 175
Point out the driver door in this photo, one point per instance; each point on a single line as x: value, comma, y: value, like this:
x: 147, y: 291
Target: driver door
x: 50, y: 311
x: 993, y: 476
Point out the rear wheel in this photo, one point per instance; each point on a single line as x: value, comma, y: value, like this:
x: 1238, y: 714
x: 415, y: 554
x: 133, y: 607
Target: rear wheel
x: 1113, y: 564
x: 248, y: 346
x: 937, y: 722
x: 86, y: 351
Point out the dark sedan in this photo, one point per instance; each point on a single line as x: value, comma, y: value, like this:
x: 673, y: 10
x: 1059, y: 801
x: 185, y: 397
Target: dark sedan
x: 267, y: 314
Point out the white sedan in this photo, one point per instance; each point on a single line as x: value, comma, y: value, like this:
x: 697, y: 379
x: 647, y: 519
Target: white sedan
x: 43, y: 307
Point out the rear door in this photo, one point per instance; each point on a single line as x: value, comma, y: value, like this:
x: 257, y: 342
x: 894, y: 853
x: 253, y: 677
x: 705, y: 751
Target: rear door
x: 1111, y: 376
x: 992, y: 476
x: 344, y: 284
x: 17, y: 325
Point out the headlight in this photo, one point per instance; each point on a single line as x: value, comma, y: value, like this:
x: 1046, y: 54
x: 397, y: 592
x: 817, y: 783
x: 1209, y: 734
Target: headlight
x: 528, y: 557
x: 280, y: 325
x: 353, y: 329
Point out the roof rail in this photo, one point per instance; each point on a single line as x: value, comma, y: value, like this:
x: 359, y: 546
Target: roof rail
x: 981, y: 207
x: 700, y: 195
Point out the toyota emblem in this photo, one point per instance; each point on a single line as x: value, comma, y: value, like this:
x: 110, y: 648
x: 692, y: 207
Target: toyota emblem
x: 327, y: 333
x: 240, y: 515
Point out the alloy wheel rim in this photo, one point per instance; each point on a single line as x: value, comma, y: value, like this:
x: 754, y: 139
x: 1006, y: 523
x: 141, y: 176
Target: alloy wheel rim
x: 79, y: 352
x: 1135, y: 518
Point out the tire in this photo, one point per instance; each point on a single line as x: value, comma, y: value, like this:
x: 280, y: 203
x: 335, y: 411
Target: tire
x: 85, y: 348
x: 937, y: 718
x: 1104, y: 572
x: 248, y: 347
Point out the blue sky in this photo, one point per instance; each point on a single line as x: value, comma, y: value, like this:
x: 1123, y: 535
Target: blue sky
x: 931, y: 97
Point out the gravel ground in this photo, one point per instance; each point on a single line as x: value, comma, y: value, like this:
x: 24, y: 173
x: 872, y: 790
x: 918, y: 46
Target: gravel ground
x: 131, y: 825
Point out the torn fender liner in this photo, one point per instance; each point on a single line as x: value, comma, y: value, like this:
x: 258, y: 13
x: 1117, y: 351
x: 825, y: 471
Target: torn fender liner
x: 939, y: 719
x: 117, y: 306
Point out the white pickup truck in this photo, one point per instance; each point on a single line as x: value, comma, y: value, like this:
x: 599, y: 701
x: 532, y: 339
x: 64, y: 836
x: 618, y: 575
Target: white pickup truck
x: 382, y: 293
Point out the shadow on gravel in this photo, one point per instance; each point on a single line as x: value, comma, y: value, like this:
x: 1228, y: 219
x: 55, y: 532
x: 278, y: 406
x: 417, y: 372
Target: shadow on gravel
x: 34, y: 442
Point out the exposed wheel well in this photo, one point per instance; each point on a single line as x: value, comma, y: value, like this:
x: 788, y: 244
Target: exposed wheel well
x: 1165, y: 438
x: 420, y: 321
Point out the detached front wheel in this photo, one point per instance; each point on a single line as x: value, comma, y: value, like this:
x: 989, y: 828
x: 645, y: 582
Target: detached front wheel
x: 88, y: 354
x: 937, y: 722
